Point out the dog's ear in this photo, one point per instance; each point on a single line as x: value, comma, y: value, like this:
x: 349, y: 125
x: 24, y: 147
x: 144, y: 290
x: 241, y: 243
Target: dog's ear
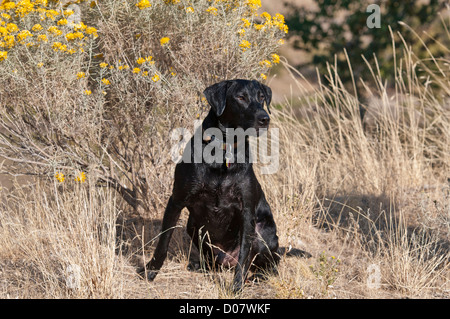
x: 216, y: 95
x: 267, y: 91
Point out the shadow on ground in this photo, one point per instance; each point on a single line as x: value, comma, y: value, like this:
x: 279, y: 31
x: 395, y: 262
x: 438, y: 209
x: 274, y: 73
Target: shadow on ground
x: 137, y: 237
x: 376, y: 221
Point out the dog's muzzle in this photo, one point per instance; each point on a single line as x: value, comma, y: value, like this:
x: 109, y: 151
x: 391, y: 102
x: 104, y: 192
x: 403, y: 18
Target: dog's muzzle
x: 262, y: 120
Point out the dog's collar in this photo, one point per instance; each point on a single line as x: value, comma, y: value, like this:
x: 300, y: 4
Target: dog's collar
x: 227, y: 147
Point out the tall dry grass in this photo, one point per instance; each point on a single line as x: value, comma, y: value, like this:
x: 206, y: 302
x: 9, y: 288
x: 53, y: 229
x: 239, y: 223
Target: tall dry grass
x: 380, y: 183
x: 60, y: 243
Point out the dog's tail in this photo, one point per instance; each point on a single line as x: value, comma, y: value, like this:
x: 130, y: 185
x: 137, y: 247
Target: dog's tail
x: 293, y: 252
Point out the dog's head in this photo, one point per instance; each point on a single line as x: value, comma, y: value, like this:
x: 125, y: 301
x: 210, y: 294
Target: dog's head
x: 240, y: 103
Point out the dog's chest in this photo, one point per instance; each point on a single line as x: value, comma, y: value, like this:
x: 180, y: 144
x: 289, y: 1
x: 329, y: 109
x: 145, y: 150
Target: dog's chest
x: 218, y: 197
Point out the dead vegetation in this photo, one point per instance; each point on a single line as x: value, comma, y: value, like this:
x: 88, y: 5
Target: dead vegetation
x: 370, y: 201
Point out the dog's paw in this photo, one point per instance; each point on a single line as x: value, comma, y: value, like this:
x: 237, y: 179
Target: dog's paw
x: 151, y: 275
x: 257, y: 278
x: 141, y: 272
x: 237, y: 287
x: 193, y: 266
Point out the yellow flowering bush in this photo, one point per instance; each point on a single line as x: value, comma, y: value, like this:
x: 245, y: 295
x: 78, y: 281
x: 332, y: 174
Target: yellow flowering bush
x: 105, y: 81
x: 31, y: 24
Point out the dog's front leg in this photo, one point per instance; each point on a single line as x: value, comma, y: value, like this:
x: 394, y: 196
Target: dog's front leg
x: 247, y: 235
x: 171, y: 216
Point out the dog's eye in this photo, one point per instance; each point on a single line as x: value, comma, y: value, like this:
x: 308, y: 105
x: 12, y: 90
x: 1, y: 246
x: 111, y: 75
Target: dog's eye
x: 241, y: 98
x: 261, y: 97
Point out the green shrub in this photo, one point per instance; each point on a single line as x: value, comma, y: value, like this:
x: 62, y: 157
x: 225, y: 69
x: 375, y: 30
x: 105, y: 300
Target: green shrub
x: 338, y: 26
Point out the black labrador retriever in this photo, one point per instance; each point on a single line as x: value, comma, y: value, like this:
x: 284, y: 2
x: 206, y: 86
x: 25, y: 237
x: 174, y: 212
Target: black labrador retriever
x: 225, y: 201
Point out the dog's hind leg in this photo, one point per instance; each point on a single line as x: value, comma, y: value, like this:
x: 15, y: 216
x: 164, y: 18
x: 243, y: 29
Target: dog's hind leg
x: 194, y: 253
x: 265, y: 245
x: 266, y: 257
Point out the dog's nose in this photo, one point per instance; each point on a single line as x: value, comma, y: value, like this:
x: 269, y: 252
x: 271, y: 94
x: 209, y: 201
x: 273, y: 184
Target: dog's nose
x: 264, y: 120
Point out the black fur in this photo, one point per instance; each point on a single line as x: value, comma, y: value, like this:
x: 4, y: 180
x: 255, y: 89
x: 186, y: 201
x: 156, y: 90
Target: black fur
x: 226, y: 205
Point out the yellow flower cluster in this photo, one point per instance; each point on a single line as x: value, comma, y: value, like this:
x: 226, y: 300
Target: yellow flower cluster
x: 156, y: 77
x: 144, y: 67
x: 267, y: 64
x: 275, y: 24
x: 53, y: 30
x: 253, y: 5
x: 60, y: 177
x: 212, y: 10
x: 148, y: 59
x: 58, y: 46
x: 245, y: 45
x: 62, y: 21
x: 24, y: 7
x: 277, y: 21
x: 250, y: 6
x: 274, y: 59
x: 75, y: 35
x: 143, y: 4
x: 92, y: 31
x: 79, y: 177
x: 246, y: 22
x: 22, y: 35
x: 37, y: 27
x: 16, y: 15
x: 164, y: 41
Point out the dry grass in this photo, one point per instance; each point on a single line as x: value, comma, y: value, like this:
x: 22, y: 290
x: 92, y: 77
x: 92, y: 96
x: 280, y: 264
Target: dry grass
x: 331, y: 196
